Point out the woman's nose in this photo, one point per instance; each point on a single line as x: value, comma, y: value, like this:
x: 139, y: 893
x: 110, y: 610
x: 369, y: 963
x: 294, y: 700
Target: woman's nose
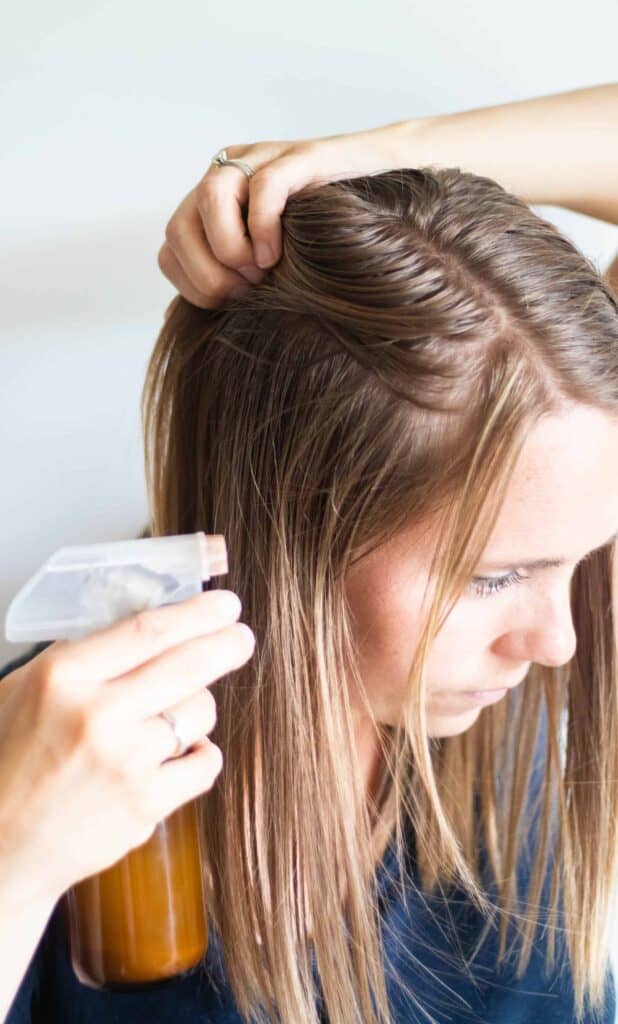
x: 548, y: 637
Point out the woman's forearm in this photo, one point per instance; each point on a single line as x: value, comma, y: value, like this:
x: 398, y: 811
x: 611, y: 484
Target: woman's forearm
x: 20, y: 931
x: 560, y: 149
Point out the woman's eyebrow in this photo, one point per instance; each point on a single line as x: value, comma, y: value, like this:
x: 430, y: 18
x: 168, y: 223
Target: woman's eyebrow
x: 543, y: 563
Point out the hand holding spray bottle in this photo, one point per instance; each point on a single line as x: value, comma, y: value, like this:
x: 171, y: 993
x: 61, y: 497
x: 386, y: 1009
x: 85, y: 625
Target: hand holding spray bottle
x: 142, y: 920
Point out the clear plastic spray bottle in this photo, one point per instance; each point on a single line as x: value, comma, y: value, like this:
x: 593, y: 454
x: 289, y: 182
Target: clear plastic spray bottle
x: 142, y: 921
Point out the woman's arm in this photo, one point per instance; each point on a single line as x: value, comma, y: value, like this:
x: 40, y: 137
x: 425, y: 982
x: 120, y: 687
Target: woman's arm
x: 560, y: 149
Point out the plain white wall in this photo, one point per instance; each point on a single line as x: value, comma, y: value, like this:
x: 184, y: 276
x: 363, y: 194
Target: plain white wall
x: 110, y: 114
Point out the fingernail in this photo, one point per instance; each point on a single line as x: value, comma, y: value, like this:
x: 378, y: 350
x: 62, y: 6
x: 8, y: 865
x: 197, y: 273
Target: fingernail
x: 247, y: 631
x: 263, y: 254
x: 253, y: 274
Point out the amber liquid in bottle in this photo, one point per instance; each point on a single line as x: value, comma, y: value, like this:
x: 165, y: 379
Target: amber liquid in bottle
x: 142, y: 920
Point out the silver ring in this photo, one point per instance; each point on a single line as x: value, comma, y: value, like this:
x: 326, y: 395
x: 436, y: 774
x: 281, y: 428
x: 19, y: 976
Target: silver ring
x: 181, y: 746
x: 221, y: 159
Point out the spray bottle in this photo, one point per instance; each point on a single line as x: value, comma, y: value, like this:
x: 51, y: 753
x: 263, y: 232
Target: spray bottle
x: 143, y: 920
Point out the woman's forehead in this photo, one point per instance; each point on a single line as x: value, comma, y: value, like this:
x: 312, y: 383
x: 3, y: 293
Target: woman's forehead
x: 562, y: 499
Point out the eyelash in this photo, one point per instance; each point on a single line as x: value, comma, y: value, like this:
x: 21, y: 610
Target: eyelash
x: 485, y: 586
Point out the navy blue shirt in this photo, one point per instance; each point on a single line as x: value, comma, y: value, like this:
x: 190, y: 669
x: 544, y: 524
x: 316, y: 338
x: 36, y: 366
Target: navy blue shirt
x: 426, y: 943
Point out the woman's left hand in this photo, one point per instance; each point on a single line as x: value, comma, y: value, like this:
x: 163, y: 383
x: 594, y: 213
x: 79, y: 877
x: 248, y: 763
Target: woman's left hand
x: 208, y: 254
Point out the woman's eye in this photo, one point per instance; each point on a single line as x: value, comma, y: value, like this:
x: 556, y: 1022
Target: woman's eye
x: 484, y: 586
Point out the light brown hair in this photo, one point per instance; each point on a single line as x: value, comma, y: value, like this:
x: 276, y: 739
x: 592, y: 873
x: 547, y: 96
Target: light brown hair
x: 387, y: 370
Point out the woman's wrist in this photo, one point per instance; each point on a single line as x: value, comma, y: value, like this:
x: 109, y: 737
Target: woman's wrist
x: 21, y: 886
x: 473, y: 141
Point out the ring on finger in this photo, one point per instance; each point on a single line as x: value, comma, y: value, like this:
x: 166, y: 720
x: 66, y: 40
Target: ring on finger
x: 188, y: 723
x: 182, y: 743
x: 221, y: 159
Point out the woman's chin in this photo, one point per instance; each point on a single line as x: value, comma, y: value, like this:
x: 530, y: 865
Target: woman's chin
x: 451, y: 723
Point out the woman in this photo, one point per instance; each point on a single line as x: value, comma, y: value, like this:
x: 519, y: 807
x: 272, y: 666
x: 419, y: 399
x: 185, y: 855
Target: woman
x: 407, y: 431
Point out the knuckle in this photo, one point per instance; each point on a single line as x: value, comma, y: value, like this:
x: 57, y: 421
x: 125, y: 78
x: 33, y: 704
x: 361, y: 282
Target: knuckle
x: 212, y: 285
x: 164, y: 258
x: 84, y: 736
x: 76, y: 726
x: 51, y: 689
x: 148, y: 625
x: 204, y: 280
x: 50, y: 675
x: 227, y: 252
x: 173, y: 232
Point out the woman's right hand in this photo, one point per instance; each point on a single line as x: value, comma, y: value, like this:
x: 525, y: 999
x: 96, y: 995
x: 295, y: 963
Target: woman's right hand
x: 86, y: 762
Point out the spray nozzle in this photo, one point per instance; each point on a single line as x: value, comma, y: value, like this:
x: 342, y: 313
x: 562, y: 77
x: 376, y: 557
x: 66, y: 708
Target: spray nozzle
x: 85, y: 587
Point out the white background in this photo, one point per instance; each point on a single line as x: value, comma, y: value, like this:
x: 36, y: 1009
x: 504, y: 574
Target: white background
x: 110, y: 113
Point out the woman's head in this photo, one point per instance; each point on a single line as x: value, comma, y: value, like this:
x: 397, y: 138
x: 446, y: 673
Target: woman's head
x: 370, y: 427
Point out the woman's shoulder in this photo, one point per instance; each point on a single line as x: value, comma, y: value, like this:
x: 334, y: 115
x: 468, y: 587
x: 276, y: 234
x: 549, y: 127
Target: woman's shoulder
x: 442, y: 956
x: 446, y: 951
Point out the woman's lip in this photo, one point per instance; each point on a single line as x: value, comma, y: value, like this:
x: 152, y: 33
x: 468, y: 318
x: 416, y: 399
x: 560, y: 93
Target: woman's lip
x: 472, y: 698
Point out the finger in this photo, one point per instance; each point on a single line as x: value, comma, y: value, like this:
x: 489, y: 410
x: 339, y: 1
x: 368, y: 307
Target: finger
x: 170, y: 267
x: 121, y: 647
x: 306, y: 165
x: 269, y: 191
x: 196, y: 717
x: 180, y: 672
x: 183, y: 778
x: 220, y: 197
x: 185, y: 235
